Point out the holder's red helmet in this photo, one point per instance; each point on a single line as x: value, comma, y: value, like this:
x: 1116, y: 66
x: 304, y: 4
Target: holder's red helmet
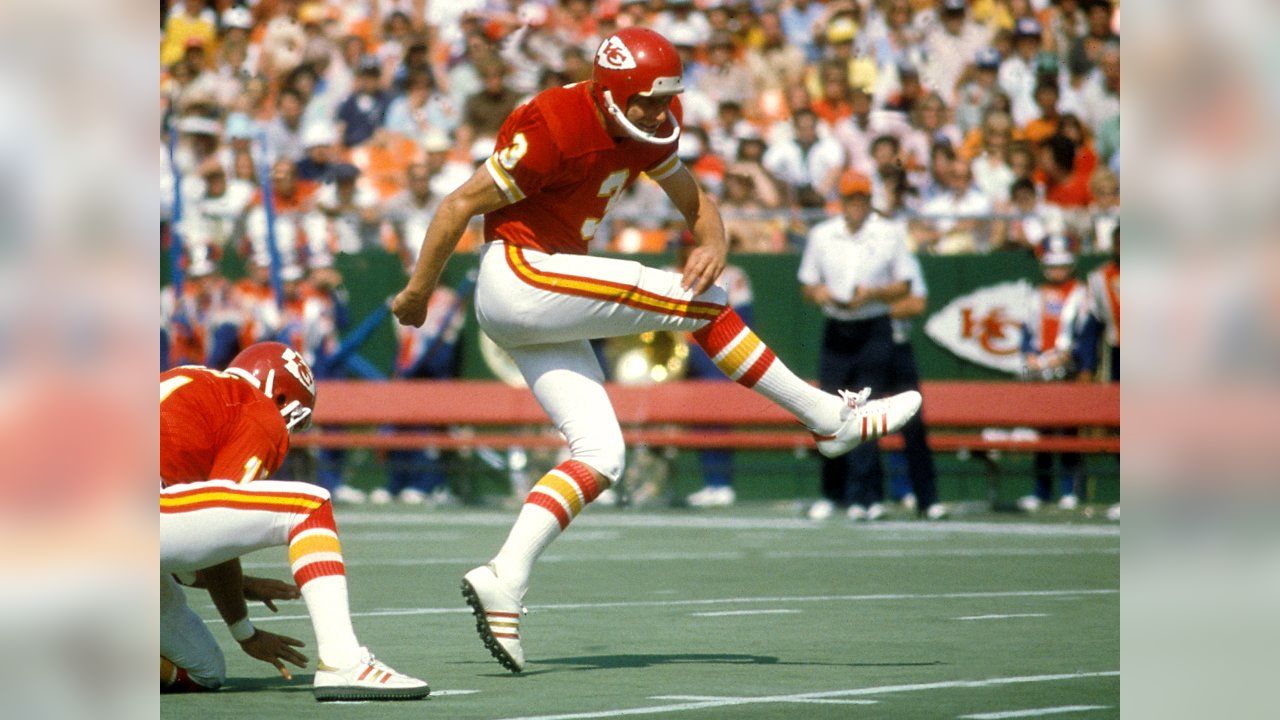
x: 637, y: 61
x: 282, y: 375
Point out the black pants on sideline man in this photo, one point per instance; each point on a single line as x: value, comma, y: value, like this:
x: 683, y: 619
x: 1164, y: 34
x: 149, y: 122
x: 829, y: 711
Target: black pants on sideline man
x: 855, y: 354
x: 904, y: 375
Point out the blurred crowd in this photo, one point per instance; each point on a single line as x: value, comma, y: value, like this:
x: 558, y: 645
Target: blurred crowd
x: 982, y: 124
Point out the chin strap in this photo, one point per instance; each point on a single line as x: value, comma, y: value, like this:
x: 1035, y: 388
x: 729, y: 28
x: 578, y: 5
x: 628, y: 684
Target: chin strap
x: 617, y: 114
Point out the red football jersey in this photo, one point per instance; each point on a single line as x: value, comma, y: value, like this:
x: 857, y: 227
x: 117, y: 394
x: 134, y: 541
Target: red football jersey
x: 215, y: 426
x: 562, y: 171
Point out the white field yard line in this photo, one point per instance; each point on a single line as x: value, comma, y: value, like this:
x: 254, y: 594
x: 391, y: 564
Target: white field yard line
x: 731, y: 555
x: 808, y: 701
x: 775, y: 600
x: 1034, y: 712
x: 654, y: 520
x: 704, y: 704
x: 729, y: 613
x: 1002, y: 617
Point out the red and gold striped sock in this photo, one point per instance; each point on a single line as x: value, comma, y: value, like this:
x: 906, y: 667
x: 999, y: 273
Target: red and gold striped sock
x: 315, y: 557
x: 741, y: 355
x: 552, y: 504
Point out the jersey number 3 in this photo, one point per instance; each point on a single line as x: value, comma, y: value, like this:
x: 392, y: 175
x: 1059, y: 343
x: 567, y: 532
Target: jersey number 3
x: 611, y: 188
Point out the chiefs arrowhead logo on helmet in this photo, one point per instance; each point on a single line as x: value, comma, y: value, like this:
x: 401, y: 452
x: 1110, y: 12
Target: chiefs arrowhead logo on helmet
x: 282, y: 374
x: 614, y: 55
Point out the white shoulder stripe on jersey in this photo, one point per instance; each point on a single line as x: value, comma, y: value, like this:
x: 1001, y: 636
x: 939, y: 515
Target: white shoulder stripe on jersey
x: 665, y: 168
x: 504, y: 180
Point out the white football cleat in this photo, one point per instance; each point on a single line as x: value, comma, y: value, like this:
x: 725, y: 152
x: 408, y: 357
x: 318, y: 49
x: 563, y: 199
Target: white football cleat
x: 821, y: 510
x: 856, y: 513
x: 875, y: 511
x: 349, y: 495
x: 909, y: 501
x: 862, y: 420
x: 1068, y: 502
x: 368, y: 679
x: 1113, y: 513
x: 1029, y: 503
x: 497, y: 612
x: 412, y: 496
x: 713, y: 496
x: 381, y: 496
x: 936, y: 511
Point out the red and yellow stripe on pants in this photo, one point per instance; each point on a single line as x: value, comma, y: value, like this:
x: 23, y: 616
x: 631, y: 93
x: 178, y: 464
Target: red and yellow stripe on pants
x: 597, y: 289
x: 737, y: 351
x: 224, y: 496
x: 565, y: 490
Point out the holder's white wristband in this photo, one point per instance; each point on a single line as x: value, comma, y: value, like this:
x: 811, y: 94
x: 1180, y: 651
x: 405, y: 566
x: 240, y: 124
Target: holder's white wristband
x: 242, y: 630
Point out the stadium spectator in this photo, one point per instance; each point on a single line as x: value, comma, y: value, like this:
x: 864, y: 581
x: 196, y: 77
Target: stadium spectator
x: 680, y: 17
x: 364, y: 111
x: 485, y: 111
x: 1104, y: 212
x: 1049, y: 121
x: 723, y: 78
x: 530, y: 48
x: 188, y: 21
x: 749, y: 192
x: 422, y: 108
x: 951, y: 47
x: 991, y: 171
x: 291, y: 199
x: 955, y: 220
x: 283, y: 40
x: 856, y: 131
x: 1033, y: 219
x: 774, y: 64
x: 853, y: 267
x: 1065, y: 24
x: 411, y: 209
x: 1063, y: 183
x: 800, y: 23
x: 929, y: 126
x: 728, y: 129
x: 213, y: 211
x: 977, y: 91
x: 318, y: 140
x: 1018, y: 71
x: 346, y: 218
x: 1100, y: 95
x: 808, y: 162
x: 284, y: 133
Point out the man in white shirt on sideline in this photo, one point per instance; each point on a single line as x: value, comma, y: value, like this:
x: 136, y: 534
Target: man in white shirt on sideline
x: 854, y: 267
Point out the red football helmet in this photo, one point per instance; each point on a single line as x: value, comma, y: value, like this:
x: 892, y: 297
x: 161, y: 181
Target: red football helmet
x: 280, y: 372
x: 636, y: 61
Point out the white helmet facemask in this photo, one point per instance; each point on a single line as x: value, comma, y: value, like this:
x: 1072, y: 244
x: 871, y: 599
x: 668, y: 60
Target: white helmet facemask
x: 661, y: 86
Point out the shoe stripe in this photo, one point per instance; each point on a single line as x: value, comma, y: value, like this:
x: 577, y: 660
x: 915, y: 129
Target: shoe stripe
x: 512, y: 636
x: 498, y: 623
x: 368, y: 669
x: 494, y: 613
x: 385, y: 678
x: 884, y: 423
x: 864, y: 427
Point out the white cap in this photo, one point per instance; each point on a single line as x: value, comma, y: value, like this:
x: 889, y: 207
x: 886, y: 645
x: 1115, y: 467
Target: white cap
x: 319, y: 133
x: 436, y: 141
x: 196, y: 125
x: 237, y: 17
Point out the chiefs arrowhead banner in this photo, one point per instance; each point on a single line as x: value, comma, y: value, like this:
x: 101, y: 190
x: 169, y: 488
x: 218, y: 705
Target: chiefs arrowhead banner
x: 982, y: 326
